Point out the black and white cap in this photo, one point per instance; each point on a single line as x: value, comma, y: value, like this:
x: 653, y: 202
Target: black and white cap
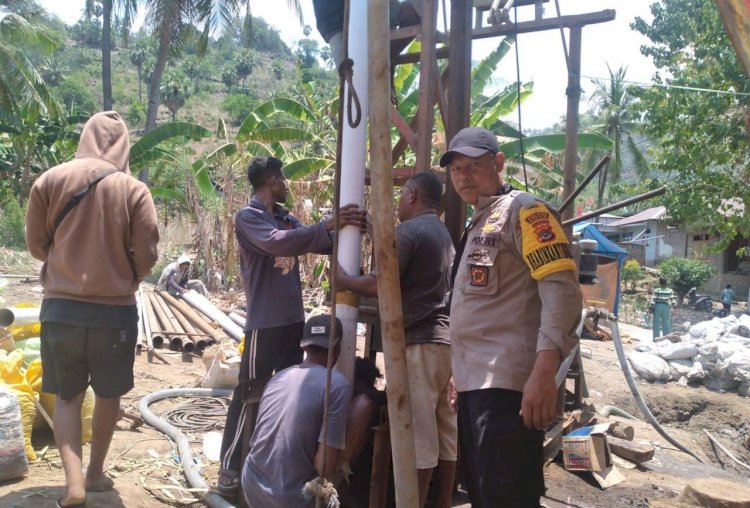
x: 318, y: 331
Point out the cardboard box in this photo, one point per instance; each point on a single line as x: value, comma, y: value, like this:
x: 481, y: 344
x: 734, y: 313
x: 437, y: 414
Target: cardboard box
x: 586, y: 449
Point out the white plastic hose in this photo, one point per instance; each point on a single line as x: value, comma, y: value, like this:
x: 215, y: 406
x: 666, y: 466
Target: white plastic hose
x: 19, y: 316
x: 192, y: 472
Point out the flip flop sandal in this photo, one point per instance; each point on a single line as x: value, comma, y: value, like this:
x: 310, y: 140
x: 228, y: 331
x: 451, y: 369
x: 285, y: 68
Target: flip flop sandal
x: 229, y: 481
x: 77, y: 505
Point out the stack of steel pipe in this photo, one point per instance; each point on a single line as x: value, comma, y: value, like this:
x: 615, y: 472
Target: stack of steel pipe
x: 200, y: 336
x: 199, y: 322
x: 202, y: 304
x: 142, y: 325
x: 154, y: 337
x: 178, y: 340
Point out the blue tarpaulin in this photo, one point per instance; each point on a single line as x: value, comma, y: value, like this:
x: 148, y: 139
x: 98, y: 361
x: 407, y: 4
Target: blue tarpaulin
x: 606, y: 248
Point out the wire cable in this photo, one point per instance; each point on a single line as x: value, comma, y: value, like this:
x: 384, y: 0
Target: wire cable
x: 676, y: 87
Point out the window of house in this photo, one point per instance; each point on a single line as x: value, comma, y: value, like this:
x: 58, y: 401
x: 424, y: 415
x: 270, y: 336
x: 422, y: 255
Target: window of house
x: 700, y: 238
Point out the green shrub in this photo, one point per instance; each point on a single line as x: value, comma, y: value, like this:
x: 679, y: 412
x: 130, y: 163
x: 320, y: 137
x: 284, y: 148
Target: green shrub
x: 631, y: 273
x: 238, y: 106
x: 136, y: 114
x: 12, y: 222
x: 683, y: 274
x: 75, y: 97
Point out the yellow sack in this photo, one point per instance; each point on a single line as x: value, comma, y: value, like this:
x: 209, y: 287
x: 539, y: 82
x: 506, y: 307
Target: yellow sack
x: 12, y: 374
x: 22, y: 332
x: 33, y: 375
x: 10, y: 368
x: 25, y: 396
x: 87, y: 411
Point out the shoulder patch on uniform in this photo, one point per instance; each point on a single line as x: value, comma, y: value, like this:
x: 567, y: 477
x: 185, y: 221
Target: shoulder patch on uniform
x: 545, y: 247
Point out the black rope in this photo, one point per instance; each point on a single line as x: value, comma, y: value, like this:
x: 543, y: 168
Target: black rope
x: 346, y: 74
x: 518, y: 100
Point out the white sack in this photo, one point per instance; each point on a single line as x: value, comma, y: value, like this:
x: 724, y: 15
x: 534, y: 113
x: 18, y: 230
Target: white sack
x: 649, y: 366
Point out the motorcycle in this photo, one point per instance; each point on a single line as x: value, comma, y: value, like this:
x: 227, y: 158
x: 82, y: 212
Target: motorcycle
x: 699, y: 302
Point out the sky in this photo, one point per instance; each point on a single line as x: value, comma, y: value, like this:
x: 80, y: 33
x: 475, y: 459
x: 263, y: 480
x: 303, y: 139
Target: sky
x: 541, y: 54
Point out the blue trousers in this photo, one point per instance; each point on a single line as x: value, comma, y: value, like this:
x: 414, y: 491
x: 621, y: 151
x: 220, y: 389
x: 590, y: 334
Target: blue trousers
x: 662, y: 320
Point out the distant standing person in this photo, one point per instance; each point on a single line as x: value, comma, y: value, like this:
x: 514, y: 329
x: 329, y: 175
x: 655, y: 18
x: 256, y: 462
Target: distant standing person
x: 95, y: 254
x: 662, y: 300
x: 270, y: 240
x: 726, y: 297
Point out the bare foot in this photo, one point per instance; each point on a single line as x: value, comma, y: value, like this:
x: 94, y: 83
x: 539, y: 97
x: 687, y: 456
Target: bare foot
x: 72, y: 499
x: 99, y: 483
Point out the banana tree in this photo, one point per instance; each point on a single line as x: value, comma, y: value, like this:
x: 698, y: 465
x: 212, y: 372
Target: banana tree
x: 490, y: 109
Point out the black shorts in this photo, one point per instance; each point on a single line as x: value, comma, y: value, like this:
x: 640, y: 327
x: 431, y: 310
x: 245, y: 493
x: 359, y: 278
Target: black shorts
x: 75, y: 356
x: 502, y: 460
x: 269, y: 350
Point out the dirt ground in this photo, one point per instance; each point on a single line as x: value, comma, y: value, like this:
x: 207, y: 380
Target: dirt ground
x: 145, y: 466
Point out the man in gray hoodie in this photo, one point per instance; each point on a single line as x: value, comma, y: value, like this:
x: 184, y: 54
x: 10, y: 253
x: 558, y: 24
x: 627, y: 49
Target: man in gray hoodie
x: 95, y: 228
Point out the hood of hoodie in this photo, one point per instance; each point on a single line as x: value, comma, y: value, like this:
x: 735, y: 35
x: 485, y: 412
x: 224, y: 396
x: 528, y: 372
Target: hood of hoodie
x: 105, y: 136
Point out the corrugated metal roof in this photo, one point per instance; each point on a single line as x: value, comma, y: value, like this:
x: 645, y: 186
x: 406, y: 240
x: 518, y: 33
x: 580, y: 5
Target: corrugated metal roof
x: 655, y: 213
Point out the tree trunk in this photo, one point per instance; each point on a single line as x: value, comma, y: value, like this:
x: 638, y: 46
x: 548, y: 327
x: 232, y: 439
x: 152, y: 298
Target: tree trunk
x: 153, y: 91
x: 153, y: 87
x: 602, y: 185
x: 107, y: 54
x: 140, y: 82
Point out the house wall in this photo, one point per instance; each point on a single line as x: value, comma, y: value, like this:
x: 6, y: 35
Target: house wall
x: 671, y: 242
x: 698, y: 248
x: 636, y: 251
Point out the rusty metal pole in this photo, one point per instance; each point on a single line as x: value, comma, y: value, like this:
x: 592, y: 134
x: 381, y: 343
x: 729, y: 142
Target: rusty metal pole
x: 573, y: 92
x: 459, y: 91
x: 389, y: 288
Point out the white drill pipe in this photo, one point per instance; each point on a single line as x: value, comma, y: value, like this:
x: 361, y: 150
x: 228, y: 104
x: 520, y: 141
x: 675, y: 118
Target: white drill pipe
x: 353, y: 157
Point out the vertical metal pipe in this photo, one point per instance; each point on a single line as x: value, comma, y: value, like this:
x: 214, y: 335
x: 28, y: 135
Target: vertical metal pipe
x: 573, y: 92
x: 389, y: 288
x: 459, y: 91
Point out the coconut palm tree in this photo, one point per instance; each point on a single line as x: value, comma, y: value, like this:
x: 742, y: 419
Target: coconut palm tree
x: 127, y: 9
x: 22, y: 25
x: 617, y: 121
x: 170, y: 21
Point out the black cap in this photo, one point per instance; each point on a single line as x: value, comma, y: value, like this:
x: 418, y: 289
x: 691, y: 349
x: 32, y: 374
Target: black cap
x: 318, y: 330
x: 472, y: 142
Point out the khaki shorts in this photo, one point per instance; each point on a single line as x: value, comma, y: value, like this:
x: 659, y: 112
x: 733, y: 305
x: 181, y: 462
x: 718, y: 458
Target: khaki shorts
x: 435, y: 434
x: 75, y: 356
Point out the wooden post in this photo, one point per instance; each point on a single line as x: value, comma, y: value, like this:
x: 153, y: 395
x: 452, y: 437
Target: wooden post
x: 389, y: 288
x: 459, y: 90
x: 427, y: 73
x: 573, y: 92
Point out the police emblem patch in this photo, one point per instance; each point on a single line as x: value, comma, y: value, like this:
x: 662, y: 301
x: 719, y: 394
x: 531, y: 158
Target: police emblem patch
x: 479, y: 275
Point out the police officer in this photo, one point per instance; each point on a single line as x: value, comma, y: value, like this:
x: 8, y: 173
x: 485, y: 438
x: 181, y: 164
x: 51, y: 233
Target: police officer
x: 515, y: 306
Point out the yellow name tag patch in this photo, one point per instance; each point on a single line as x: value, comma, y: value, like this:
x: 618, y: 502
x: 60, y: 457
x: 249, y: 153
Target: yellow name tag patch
x: 545, y: 247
